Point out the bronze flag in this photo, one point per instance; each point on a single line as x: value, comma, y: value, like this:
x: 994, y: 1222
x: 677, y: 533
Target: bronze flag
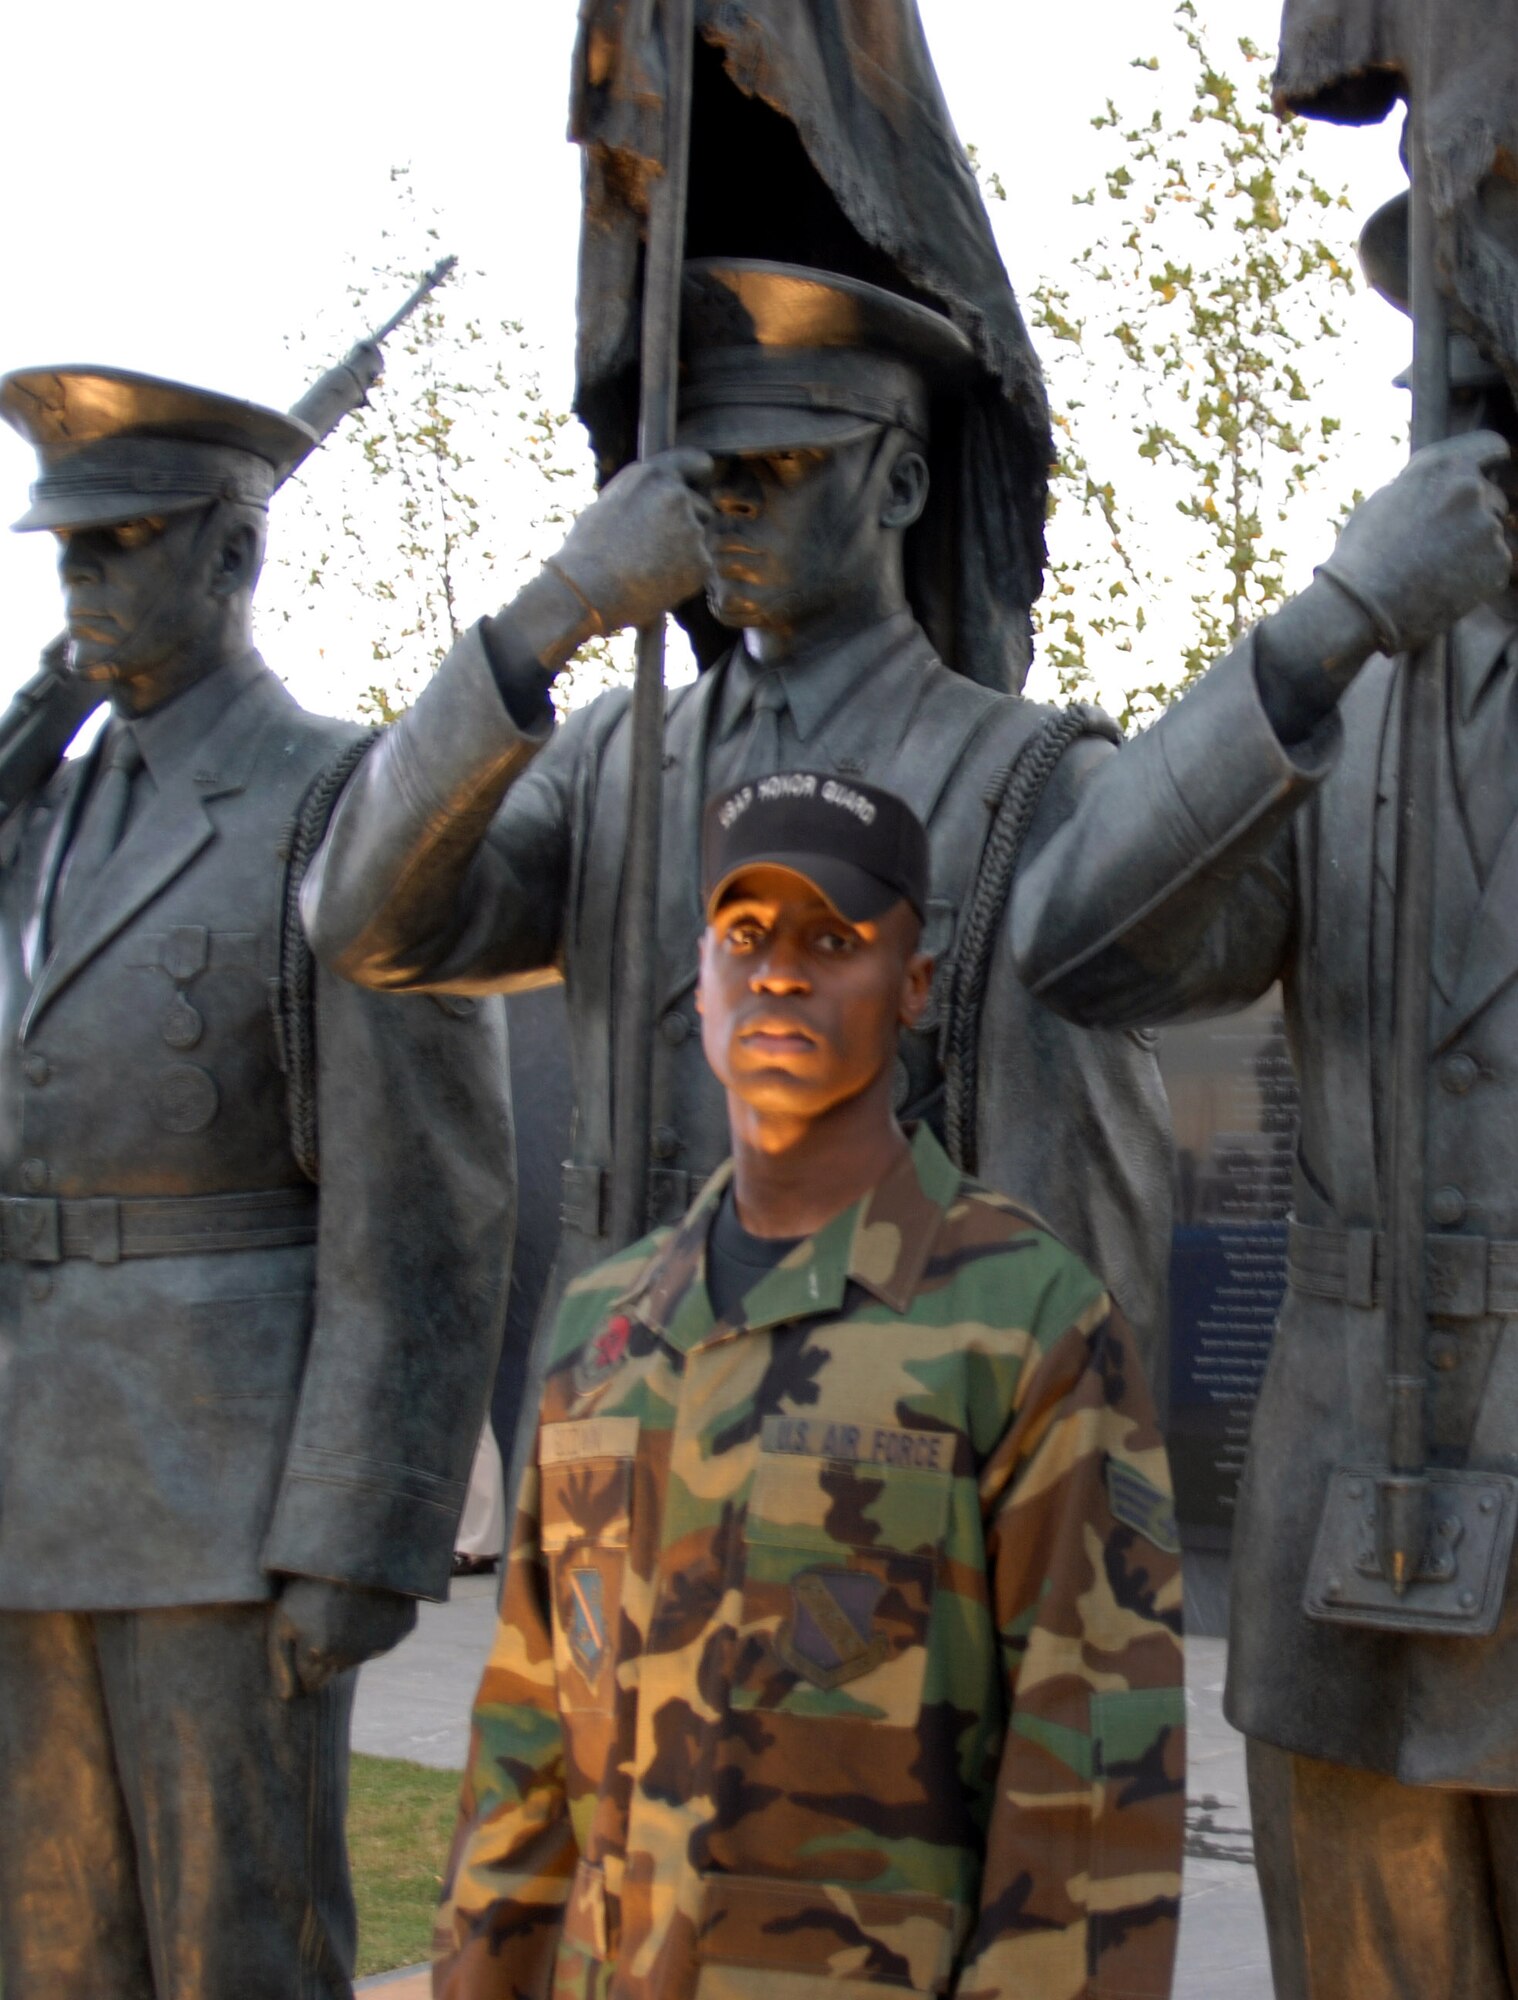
x: 820, y: 136
x: 1351, y: 60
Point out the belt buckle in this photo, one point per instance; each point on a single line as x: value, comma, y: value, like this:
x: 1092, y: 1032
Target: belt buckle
x: 1456, y: 1276
x: 32, y: 1230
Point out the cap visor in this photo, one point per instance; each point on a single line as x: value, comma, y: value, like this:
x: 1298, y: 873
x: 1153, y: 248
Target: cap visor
x: 104, y: 510
x: 753, y: 428
x: 854, y: 893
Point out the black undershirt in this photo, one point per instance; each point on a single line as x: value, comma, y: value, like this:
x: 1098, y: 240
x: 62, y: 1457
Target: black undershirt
x: 736, y: 1261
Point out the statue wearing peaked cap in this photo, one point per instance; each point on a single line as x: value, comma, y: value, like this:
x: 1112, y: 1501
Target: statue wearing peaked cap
x: 1249, y: 837
x: 481, y: 848
x: 254, y: 1229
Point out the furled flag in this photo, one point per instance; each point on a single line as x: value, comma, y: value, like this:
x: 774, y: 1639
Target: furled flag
x: 1352, y: 60
x: 820, y: 136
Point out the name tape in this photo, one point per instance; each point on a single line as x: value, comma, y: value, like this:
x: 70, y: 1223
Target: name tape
x: 859, y: 1444
x: 588, y: 1437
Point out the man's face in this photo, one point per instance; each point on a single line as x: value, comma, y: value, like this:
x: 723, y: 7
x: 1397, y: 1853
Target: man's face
x: 795, y: 532
x: 799, y: 1007
x: 142, y: 602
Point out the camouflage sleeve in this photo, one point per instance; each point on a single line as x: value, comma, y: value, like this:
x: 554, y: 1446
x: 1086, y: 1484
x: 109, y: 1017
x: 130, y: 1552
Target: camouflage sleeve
x: 514, y: 1849
x: 1081, y: 1891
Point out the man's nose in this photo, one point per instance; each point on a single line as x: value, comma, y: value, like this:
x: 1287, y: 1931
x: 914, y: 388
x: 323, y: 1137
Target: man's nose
x: 734, y: 490
x: 781, y: 969
x: 78, y: 559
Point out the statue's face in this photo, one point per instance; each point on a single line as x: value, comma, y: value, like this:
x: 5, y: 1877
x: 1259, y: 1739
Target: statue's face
x: 145, y: 603
x: 796, y: 532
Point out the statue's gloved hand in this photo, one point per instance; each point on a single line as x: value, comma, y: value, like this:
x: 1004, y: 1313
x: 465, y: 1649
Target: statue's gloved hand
x: 319, y: 1629
x: 1426, y: 549
x: 640, y: 549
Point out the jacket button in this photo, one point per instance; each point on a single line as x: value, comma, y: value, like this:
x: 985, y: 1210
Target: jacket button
x: 676, y: 1027
x: 38, y: 1070
x: 1444, y: 1353
x: 665, y: 1142
x: 1447, y: 1207
x: 34, y: 1175
x: 1458, y: 1074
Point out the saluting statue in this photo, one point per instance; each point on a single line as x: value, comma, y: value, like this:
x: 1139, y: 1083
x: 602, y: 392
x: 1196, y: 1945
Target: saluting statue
x: 255, y: 1228
x: 478, y: 846
x: 1251, y: 836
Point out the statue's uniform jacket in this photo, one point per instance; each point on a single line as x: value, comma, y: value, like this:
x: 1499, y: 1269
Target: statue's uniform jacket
x: 839, y: 1650
x: 174, y: 1428
x: 425, y: 882
x: 1205, y: 863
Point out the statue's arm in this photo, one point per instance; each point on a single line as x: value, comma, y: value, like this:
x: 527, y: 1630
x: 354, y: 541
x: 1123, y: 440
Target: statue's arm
x: 445, y: 866
x: 1168, y: 888
x: 1160, y: 879
x: 445, y: 860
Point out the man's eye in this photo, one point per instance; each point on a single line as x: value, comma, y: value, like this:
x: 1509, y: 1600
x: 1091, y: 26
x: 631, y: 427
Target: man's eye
x: 836, y: 943
x: 136, y: 534
x: 744, y: 937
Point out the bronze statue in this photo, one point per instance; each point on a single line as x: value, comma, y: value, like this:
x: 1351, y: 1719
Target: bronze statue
x: 478, y: 847
x: 255, y: 1227
x: 1252, y: 835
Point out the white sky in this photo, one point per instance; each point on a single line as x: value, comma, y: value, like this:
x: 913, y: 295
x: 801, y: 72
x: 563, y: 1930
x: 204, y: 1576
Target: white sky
x: 182, y: 184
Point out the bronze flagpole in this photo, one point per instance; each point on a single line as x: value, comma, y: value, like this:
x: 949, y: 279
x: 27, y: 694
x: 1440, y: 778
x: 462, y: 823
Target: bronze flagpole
x: 1403, y: 1510
x: 636, y: 993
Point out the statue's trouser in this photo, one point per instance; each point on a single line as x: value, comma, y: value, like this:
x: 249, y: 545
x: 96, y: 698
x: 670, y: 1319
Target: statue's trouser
x: 1380, y: 1891
x: 169, y: 1828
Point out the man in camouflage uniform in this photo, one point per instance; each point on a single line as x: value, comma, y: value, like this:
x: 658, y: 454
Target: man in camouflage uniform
x: 840, y: 1635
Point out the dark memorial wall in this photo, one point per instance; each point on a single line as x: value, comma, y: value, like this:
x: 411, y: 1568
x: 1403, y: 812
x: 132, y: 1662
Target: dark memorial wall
x: 1233, y: 1103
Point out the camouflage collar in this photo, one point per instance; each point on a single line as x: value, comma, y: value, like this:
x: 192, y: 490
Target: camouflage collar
x: 881, y: 1244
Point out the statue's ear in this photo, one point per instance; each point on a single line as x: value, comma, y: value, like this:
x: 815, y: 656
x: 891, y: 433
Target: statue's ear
x: 906, y: 491
x: 238, y: 558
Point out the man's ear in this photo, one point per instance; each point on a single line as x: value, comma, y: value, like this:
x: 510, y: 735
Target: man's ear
x: 916, y: 988
x: 906, y: 491
x: 237, y: 560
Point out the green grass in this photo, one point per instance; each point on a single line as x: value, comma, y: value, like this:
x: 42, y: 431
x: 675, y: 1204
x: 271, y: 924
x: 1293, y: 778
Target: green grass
x: 400, y: 1821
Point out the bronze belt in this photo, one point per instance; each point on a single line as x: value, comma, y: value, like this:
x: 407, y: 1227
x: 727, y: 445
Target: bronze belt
x: 1468, y: 1277
x: 44, y: 1230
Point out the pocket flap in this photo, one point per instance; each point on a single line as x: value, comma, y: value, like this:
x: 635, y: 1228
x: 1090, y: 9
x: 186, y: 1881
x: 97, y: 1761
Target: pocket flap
x: 828, y: 1503
x: 893, y: 1937
x: 586, y: 1473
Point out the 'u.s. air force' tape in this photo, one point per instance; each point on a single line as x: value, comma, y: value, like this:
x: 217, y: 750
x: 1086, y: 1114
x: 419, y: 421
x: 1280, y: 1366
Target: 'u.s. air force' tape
x: 1142, y: 1507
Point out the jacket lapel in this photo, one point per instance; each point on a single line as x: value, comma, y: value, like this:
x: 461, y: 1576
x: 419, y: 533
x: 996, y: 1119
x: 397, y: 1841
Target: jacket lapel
x: 1491, y: 952
x: 159, y: 845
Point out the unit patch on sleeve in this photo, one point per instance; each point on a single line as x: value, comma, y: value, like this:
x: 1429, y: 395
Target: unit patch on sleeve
x: 1142, y: 1507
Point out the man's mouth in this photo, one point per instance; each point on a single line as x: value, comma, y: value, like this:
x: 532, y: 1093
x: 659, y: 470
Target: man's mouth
x: 775, y: 1035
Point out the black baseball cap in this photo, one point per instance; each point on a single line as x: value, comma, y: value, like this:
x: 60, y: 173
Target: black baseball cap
x: 864, y: 848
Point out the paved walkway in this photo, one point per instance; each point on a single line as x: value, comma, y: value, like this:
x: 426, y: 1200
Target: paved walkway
x: 415, y: 1703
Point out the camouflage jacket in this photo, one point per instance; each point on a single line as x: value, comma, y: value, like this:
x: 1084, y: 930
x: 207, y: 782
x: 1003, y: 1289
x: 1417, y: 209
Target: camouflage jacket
x: 842, y: 1645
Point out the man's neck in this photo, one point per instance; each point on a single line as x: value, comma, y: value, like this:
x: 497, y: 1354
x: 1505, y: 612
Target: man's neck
x: 790, y: 1178
x: 833, y: 626
x: 146, y: 693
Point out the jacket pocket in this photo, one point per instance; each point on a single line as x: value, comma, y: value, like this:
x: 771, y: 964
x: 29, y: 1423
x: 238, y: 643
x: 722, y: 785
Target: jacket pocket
x: 840, y: 1568
x: 761, y: 1937
x: 586, y: 1517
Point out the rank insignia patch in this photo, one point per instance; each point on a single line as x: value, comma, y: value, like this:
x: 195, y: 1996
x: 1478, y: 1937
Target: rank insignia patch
x: 1142, y: 1507
x: 587, y: 1621
x: 829, y: 1637
x: 601, y: 1356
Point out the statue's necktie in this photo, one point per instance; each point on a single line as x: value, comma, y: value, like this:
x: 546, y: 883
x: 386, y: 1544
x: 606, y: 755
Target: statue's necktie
x: 761, y: 747
x: 104, y: 821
